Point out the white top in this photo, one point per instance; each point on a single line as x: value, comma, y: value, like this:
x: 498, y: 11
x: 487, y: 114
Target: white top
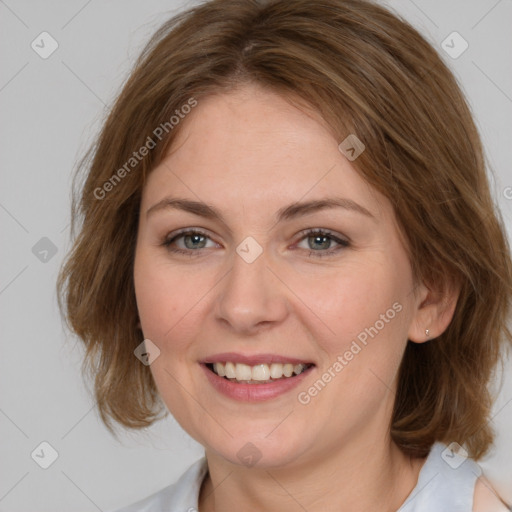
x: 446, y: 483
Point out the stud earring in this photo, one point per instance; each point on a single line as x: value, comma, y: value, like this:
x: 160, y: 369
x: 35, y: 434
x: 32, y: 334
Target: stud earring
x: 427, y: 332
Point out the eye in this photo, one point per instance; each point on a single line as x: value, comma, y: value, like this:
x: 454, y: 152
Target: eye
x: 320, y: 239
x: 192, y: 240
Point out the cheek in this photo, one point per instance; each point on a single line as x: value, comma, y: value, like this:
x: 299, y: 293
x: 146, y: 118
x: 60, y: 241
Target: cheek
x: 152, y: 280
x: 336, y: 304
x: 163, y: 302
x: 359, y: 313
x: 169, y: 299
x: 156, y: 296
x: 348, y: 299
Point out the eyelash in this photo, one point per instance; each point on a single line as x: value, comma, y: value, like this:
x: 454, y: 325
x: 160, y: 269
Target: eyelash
x: 305, y: 234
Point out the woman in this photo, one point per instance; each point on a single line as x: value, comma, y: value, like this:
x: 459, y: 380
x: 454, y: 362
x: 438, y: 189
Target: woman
x: 286, y: 238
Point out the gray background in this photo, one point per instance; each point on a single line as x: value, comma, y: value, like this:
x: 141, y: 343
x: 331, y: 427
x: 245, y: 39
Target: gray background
x: 51, y: 109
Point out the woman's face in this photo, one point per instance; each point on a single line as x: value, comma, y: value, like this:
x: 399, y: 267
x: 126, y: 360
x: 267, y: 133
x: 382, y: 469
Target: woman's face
x: 253, y: 283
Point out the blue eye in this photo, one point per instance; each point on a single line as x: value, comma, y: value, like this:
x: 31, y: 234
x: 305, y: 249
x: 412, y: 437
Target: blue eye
x: 319, y: 242
x: 193, y: 239
x: 320, y: 239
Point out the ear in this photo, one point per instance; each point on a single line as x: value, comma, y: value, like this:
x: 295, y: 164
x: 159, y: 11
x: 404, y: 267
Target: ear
x: 434, y: 311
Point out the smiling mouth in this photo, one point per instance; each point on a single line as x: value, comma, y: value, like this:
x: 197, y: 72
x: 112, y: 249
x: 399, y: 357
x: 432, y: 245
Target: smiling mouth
x: 257, y: 374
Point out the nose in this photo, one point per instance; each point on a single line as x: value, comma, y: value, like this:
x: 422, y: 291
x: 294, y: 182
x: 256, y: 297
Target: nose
x: 251, y: 297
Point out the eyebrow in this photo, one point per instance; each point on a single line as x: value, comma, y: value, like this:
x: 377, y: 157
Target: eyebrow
x: 289, y: 212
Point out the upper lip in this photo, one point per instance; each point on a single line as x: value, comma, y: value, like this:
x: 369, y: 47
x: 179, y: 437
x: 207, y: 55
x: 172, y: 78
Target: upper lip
x: 253, y: 360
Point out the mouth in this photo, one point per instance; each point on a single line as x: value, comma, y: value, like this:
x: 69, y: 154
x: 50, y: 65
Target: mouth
x: 262, y: 373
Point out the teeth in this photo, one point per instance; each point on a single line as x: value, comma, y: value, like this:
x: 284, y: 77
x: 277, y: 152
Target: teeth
x: 229, y: 370
x: 288, y: 370
x: 220, y: 369
x: 259, y: 373
x: 276, y: 370
x: 243, y: 372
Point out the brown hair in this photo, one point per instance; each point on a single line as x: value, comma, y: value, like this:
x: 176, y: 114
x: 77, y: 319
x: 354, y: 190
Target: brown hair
x: 367, y: 73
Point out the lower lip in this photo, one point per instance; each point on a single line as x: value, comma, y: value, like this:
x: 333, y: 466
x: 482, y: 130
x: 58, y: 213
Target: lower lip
x: 254, y: 392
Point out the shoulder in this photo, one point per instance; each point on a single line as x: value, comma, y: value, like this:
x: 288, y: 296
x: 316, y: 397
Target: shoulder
x: 451, y: 481
x: 486, y: 499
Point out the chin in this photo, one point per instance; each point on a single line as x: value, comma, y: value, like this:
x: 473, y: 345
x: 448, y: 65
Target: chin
x: 259, y: 452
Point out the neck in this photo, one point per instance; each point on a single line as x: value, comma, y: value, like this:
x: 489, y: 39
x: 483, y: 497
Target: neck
x: 358, y: 477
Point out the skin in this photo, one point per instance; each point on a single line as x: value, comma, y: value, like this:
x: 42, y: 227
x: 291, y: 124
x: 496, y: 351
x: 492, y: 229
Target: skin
x: 486, y: 499
x: 249, y: 153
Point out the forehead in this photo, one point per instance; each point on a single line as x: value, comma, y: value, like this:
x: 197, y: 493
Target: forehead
x: 252, y: 146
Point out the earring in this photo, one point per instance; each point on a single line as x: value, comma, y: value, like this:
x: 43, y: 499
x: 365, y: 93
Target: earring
x: 427, y: 332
